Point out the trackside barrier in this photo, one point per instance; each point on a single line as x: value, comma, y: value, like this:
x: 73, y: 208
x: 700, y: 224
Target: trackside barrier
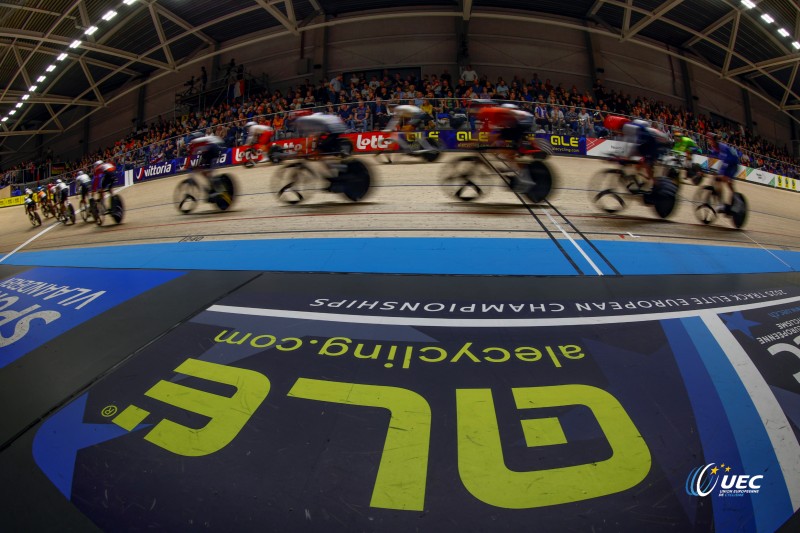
x: 375, y: 142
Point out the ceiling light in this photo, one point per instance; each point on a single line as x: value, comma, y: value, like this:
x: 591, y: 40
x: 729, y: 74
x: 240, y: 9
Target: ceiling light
x: 25, y: 96
x: 40, y: 79
x: 90, y: 30
x: 110, y: 15
x: 33, y: 88
x: 783, y: 32
x: 51, y: 68
x: 767, y: 18
x: 3, y: 119
x: 796, y: 45
x: 748, y: 4
x: 128, y: 2
x: 12, y: 112
x: 75, y: 44
x: 62, y: 57
x: 19, y: 104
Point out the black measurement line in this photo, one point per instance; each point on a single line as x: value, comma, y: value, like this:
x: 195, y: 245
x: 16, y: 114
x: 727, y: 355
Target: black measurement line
x: 585, y: 238
x: 579, y: 232
x: 534, y: 215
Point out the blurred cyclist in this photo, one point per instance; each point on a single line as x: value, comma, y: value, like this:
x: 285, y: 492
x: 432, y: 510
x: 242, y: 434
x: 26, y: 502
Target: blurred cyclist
x: 406, y: 119
x: 105, y: 176
x: 729, y: 157
x: 83, y: 186
x: 258, y: 138
x: 208, y: 148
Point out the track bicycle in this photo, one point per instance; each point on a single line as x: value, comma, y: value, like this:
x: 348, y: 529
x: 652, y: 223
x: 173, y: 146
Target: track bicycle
x: 219, y: 191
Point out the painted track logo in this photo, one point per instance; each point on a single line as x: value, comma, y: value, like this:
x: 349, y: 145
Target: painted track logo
x: 703, y: 480
x: 700, y: 482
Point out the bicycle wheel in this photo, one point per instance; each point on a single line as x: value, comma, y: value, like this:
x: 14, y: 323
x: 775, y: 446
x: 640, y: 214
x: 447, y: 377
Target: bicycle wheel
x: 117, y: 209
x: 84, y: 209
x: 609, y: 186
x: 663, y: 197
x: 38, y: 219
x: 345, y: 147
x: 71, y: 213
x: 275, y: 154
x: 251, y: 156
x: 458, y: 181
x: 98, y: 212
x: 300, y: 182
x: 186, y: 195
x: 539, y: 173
x: 738, y: 210
x: 223, y: 191
x: 704, y: 198
x: 355, y: 180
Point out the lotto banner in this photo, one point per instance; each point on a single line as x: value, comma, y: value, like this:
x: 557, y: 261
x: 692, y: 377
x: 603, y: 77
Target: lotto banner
x: 365, y: 413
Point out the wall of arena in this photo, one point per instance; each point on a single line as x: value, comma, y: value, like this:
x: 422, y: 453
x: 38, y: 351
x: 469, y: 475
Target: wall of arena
x: 497, y: 48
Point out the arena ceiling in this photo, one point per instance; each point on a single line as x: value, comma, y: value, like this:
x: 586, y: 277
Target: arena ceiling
x: 146, y: 39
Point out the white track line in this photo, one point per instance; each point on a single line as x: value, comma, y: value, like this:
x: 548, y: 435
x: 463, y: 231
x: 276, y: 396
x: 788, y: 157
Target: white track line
x: 777, y: 426
x: 575, y: 244
x: 24, y: 244
x: 489, y: 322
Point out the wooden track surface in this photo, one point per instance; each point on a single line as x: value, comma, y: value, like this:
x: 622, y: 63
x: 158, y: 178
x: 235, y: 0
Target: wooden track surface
x: 408, y: 200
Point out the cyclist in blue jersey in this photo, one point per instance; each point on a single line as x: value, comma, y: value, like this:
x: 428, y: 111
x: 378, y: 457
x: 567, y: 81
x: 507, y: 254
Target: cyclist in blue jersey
x: 730, y: 164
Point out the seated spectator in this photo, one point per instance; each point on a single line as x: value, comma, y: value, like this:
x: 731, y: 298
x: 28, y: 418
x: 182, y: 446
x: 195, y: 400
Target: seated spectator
x: 361, y: 117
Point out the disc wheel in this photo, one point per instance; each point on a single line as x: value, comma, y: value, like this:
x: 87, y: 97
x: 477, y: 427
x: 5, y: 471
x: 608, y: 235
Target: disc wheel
x: 663, y: 196
x: 458, y: 181
x: 355, y: 180
x: 224, y: 189
x: 275, y: 153
x: 186, y: 196
x: 739, y: 210
x: 117, y: 210
x: 542, y: 178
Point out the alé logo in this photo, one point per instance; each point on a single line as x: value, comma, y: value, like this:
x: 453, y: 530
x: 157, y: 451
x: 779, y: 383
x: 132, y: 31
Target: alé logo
x: 703, y: 480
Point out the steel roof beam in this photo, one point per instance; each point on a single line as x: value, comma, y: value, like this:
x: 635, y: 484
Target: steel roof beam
x: 656, y: 15
x: 270, y: 8
x: 706, y: 32
x: 161, y: 36
x: 185, y: 25
x: 731, y: 42
x: 49, y: 32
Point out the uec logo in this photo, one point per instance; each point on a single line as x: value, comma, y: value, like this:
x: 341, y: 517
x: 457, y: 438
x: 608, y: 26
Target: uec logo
x: 699, y: 483
x: 703, y: 480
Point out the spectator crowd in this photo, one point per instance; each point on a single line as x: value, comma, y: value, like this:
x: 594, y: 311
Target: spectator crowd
x: 365, y: 104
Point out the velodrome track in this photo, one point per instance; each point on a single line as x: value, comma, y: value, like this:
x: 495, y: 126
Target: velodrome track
x: 407, y: 200
x: 406, y: 363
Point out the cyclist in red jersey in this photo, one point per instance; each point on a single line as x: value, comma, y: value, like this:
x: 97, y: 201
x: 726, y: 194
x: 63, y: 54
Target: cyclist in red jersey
x: 105, y: 176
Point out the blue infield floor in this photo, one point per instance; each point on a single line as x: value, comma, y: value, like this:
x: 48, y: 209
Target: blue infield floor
x: 475, y: 256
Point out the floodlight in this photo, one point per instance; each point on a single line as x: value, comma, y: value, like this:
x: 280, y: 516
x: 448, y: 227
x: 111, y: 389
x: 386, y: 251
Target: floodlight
x: 110, y: 15
x: 19, y: 104
x: 25, y: 96
x: 33, y: 88
x: 75, y: 44
x: 783, y: 32
x: 128, y: 2
x: 767, y: 18
x: 3, y: 119
x: 90, y: 30
x: 12, y: 112
x: 61, y: 57
x: 40, y: 79
x: 796, y: 45
x: 748, y: 4
x: 51, y: 68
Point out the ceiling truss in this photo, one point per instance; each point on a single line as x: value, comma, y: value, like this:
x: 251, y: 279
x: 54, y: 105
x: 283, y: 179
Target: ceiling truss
x: 24, y: 43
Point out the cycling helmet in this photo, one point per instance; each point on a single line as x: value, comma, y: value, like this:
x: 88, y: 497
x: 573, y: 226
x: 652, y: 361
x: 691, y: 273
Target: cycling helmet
x: 251, y: 123
x: 195, y: 135
x: 28, y: 191
x: 510, y: 106
x: 97, y: 164
x: 640, y: 122
x: 59, y: 182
